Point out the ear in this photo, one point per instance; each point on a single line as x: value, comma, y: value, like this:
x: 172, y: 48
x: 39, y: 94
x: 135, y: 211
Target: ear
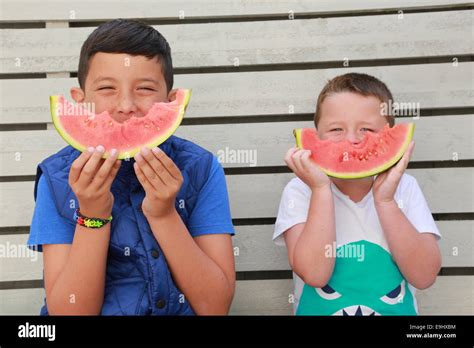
x: 172, y: 95
x: 77, y: 94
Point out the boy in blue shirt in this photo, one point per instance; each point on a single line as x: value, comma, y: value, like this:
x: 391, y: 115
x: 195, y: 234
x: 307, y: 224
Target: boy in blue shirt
x: 168, y: 249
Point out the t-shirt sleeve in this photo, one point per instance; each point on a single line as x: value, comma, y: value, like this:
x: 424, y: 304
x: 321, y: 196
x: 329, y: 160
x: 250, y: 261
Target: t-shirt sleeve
x: 48, y: 226
x: 293, y: 209
x: 211, y: 213
x: 417, y: 210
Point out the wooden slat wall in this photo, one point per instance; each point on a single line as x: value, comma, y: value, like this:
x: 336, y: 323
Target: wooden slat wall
x: 258, y: 195
x: 329, y: 40
x: 256, y: 252
x: 33, y: 11
x: 451, y: 134
x: 282, y: 92
x: 255, y: 74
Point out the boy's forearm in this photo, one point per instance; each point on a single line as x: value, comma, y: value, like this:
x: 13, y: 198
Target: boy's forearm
x: 203, y: 283
x: 310, y: 260
x: 79, y: 289
x: 417, y: 257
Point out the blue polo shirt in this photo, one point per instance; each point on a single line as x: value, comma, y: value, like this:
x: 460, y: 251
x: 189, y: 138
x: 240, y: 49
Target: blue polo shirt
x: 211, y: 214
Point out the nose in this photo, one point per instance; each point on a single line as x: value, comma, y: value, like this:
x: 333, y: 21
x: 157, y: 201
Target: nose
x: 126, y: 106
x: 354, y: 137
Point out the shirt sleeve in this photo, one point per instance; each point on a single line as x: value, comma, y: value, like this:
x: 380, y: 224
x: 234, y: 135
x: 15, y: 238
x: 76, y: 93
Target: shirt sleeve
x: 48, y: 226
x: 293, y: 209
x: 211, y: 214
x: 417, y: 210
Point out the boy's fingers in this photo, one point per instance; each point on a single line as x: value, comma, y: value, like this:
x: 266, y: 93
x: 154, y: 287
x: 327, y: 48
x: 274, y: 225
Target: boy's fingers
x: 403, y: 163
x: 289, y: 154
x: 297, y: 160
x: 78, y: 164
x: 91, y: 167
x: 142, y: 178
x: 410, y: 150
x: 167, y: 163
x: 157, y: 166
x: 153, y: 178
x: 305, y: 159
x: 104, y: 171
x: 289, y: 162
x: 380, y: 178
x: 113, y: 172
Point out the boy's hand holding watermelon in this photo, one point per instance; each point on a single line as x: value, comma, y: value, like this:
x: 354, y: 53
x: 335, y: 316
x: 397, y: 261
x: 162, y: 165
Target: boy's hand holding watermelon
x: 386, y: 183
x: 90, y: 178
x: 299, y: 161
x: 161, y: 180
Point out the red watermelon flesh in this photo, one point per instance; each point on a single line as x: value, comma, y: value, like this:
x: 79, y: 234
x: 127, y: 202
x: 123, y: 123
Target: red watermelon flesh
x: 82, y: 129
x: 374, y: 154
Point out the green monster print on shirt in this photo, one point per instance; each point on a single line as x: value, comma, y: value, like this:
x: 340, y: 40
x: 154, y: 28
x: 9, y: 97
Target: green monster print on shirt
x: 368, y: 285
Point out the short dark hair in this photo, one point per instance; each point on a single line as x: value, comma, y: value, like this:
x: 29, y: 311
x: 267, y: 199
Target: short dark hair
x: 362, y: 84
x: 126, y: 36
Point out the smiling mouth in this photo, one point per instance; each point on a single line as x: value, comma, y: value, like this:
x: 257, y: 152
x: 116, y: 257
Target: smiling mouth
x: 357, y: 310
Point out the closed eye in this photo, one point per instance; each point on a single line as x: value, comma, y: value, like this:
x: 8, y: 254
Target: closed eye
x: 396, y: 295
x: 328, y: 293
x: 148, y: 88
x: 105, y: 87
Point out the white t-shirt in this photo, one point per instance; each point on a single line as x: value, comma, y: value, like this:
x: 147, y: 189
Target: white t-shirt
x: 358, y: 231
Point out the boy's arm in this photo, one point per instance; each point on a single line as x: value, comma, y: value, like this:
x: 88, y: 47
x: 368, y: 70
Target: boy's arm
x: 307, y: 243
x: 416, y: 254
x: 203, y: 267
x: 75, y: 274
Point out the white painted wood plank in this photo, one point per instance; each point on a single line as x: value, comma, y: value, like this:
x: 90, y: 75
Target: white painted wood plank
x: 447, y: 190
x: 449, y: 295
x: 21, y: 302
x: 17, y: 262
x: 253, y: 144
x: 261, y: 93
x: 262, y: 297
x: 257, y: 252
x: 254, y: 250
x: 277, y: 42
x: 31, y: 10
x: 457, y: 243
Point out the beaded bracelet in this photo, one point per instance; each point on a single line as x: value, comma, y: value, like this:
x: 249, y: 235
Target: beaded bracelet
x: 90, y: 222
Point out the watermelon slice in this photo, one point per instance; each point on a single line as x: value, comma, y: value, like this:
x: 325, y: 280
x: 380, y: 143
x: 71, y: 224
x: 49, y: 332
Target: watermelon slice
x: 82, y: 129
x: 374, y: 154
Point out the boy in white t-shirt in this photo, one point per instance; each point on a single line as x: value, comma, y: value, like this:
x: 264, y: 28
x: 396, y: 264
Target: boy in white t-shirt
x: 359, y: 246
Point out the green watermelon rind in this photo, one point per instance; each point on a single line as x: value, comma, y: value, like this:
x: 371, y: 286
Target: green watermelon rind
x: 54, y: 100
x: 377, y: 170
